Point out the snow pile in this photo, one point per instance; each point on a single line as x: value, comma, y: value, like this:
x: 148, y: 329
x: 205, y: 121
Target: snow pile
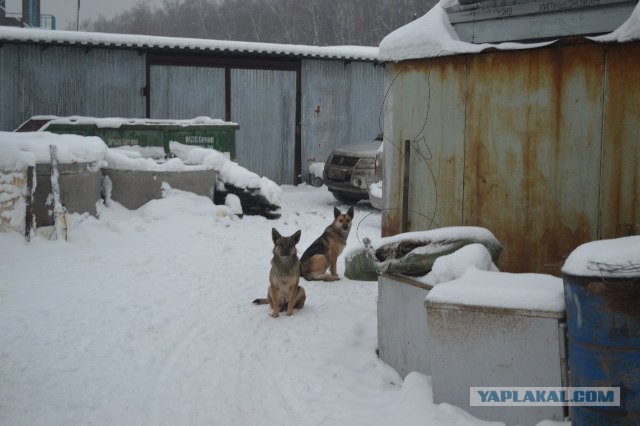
x: 13, y: 199
x: 229, y: 172
x: 316, y: 169
x: 22, y: 149
x: 614, y: 258
x: 535, y: 292
x: 628, y: 31
x: 136, y: 151
x: 414, y: 253
x: 233, y: 202
x: 433, y: 35
x: 129, y: 160
x: 26, y: 149
x: 454, y: 265
x: 163, y: 332
x: 375, y: 189
x: 440, y: 235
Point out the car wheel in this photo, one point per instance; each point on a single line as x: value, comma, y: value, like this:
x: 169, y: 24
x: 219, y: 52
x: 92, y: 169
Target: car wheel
x: 347, y: 198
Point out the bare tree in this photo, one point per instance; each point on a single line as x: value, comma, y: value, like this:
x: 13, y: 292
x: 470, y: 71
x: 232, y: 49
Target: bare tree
x: 314, y: 22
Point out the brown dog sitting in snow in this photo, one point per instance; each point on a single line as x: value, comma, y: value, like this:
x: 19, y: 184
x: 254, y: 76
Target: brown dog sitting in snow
x: 284, y: 292
x: 323, y: 253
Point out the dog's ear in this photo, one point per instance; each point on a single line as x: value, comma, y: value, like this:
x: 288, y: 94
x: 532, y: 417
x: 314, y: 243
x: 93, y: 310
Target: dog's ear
x: 336, y: 212
x: 350, y: 212
x: 275, y: 235
x: 296, y: 236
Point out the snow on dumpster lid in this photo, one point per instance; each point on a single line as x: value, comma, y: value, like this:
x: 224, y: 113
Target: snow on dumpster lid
x: 117, y: 122
x: 528, y: 292
x: 614, y: 258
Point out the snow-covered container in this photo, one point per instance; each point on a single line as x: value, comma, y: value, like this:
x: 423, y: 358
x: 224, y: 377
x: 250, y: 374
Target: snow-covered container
x: 80, y: 190
x: 135, y: 175
x: 402, y: 320
x: 79, y: 178
x: 134, y: 188
x: 205, y: 132
x: 602, y: 294
x: 491, y: 329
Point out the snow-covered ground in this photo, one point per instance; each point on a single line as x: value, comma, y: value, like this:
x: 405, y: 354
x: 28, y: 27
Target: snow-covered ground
x: 145, y: 318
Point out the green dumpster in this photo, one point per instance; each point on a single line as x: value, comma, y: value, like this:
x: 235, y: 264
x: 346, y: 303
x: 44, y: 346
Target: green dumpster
x: 202, y: 131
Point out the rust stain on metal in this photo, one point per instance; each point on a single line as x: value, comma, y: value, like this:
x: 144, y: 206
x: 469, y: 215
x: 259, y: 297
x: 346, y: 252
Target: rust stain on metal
x: 620, y: 196
x: 524, y: 153
x: 619, y: 297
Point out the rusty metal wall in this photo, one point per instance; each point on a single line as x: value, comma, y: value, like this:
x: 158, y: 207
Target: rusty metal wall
x: 620, y: 190
x: 425, y: 112
x: 185, y: 92
x: 69, y: 81
x: 539, y: 146
x: 263, y: 102
x: 533, y: 152
x: 341, y: 104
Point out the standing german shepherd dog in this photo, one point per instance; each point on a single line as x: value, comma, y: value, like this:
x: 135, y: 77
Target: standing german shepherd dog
x: 323, y: 253
x: 284, y: 292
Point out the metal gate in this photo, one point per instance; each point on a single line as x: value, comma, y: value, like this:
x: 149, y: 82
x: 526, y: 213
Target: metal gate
x: 263, y: 102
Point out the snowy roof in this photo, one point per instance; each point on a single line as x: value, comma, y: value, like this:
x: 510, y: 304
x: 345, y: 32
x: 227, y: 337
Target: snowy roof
x: 129, y: 41
x: 432, y: 35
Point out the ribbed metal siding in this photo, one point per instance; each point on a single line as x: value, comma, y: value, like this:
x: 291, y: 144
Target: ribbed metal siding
x: 539, y: 146
x: 185, y: 92
x: 263, y: 102
x: 366, y: 93
x: 429, y: 112
x: 341, y: 104
x: 69, y: 81
x: 325, y: 109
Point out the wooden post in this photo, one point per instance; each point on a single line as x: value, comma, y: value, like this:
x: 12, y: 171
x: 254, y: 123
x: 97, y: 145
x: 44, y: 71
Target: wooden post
x: 405, y: 186
x: 28, y: 223
x: 59, y: 218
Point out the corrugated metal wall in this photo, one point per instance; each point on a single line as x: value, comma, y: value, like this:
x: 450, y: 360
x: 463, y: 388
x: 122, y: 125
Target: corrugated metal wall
x: 340, y: 101
x: 341, y: 104
x: 539, y: 146
x: 69, y: 81
x: 185, y: 92
x: 263, y: 102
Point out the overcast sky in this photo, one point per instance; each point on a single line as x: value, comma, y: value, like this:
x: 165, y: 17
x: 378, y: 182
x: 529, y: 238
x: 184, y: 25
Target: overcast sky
x: 65, y: 11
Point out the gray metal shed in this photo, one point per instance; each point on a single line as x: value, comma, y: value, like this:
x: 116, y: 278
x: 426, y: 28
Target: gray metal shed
x: 293, y: 103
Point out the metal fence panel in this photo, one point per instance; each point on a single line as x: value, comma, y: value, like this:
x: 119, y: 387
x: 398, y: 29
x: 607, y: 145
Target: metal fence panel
x: 341, y: 104
x: 263, y: 103
x: 67, y: 81
x: 185, y: 92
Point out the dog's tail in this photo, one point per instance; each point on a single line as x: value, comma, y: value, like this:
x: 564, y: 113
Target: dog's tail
x: 261, y: 301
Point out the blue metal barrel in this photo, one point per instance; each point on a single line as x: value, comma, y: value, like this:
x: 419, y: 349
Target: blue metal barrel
x: 603, y: 320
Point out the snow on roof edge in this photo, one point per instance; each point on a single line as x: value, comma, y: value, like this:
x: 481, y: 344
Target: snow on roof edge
x: 432, y: 35
x: 31, y: 35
